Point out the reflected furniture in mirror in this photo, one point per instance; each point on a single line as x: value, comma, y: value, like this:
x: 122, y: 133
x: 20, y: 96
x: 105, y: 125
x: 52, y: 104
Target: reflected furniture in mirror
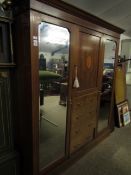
x: 49, y: 82
x: 53, y: 75
x: 62, y: 119
x: 106, y: 93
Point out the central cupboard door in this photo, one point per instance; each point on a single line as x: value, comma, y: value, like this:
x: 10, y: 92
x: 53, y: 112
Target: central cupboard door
x: 84, y: 98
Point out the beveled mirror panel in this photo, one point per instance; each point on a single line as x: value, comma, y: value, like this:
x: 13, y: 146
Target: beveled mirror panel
x: 53, y: 74
x: 107, y: 82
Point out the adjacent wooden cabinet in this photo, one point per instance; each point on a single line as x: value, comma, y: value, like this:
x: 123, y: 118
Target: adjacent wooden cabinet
x: 8, y: 155
x: 5, y: 113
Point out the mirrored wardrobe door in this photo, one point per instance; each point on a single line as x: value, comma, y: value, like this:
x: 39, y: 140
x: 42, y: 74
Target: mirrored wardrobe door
x: 53, y: 76
x: 107, y: 84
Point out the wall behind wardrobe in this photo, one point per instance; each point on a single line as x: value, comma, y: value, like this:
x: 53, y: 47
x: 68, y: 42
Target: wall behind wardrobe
x: 125, y: 50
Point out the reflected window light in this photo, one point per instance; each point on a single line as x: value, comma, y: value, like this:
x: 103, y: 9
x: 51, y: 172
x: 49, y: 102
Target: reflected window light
x: 55, y: 40
x: 54, y: 34
x: 56, y: 37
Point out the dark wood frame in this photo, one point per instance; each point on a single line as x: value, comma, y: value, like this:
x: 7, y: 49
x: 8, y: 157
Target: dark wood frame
x: 58, y: 22
x: 27, y: 63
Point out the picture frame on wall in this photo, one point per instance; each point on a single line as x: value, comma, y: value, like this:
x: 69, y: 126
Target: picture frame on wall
x: 123, y: 114
x: 126, y: 114
x: 120, y: 116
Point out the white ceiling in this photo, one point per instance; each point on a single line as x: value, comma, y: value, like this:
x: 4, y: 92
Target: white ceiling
x: 116, y: 12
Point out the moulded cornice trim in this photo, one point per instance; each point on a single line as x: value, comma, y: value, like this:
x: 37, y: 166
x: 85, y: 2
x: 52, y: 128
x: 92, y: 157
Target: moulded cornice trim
x: 82, y: 14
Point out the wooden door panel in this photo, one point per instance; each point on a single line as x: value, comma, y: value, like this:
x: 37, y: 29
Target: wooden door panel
x: 84, y: 100
x: 88, y: 60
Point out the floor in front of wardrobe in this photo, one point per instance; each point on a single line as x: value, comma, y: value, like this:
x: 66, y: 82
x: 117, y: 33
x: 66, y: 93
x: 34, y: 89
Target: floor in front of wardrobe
x: 110, y: 157
x: 53, y: 129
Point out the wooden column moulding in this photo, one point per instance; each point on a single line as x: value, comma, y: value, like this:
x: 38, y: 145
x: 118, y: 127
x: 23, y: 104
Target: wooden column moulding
x: 65, y: 11
x: 25, y: 94
x: 8, y: 155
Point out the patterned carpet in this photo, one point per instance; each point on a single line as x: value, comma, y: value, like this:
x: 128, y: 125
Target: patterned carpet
x: 110, y: 157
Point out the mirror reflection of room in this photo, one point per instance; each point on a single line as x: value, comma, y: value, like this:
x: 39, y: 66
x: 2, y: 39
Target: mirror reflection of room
x: 107, y: 80
x: 53, y: 75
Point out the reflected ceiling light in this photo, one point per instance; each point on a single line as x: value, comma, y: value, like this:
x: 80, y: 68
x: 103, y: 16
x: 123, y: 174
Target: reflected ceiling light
x: 55, y: 40
x: 56, y: 35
